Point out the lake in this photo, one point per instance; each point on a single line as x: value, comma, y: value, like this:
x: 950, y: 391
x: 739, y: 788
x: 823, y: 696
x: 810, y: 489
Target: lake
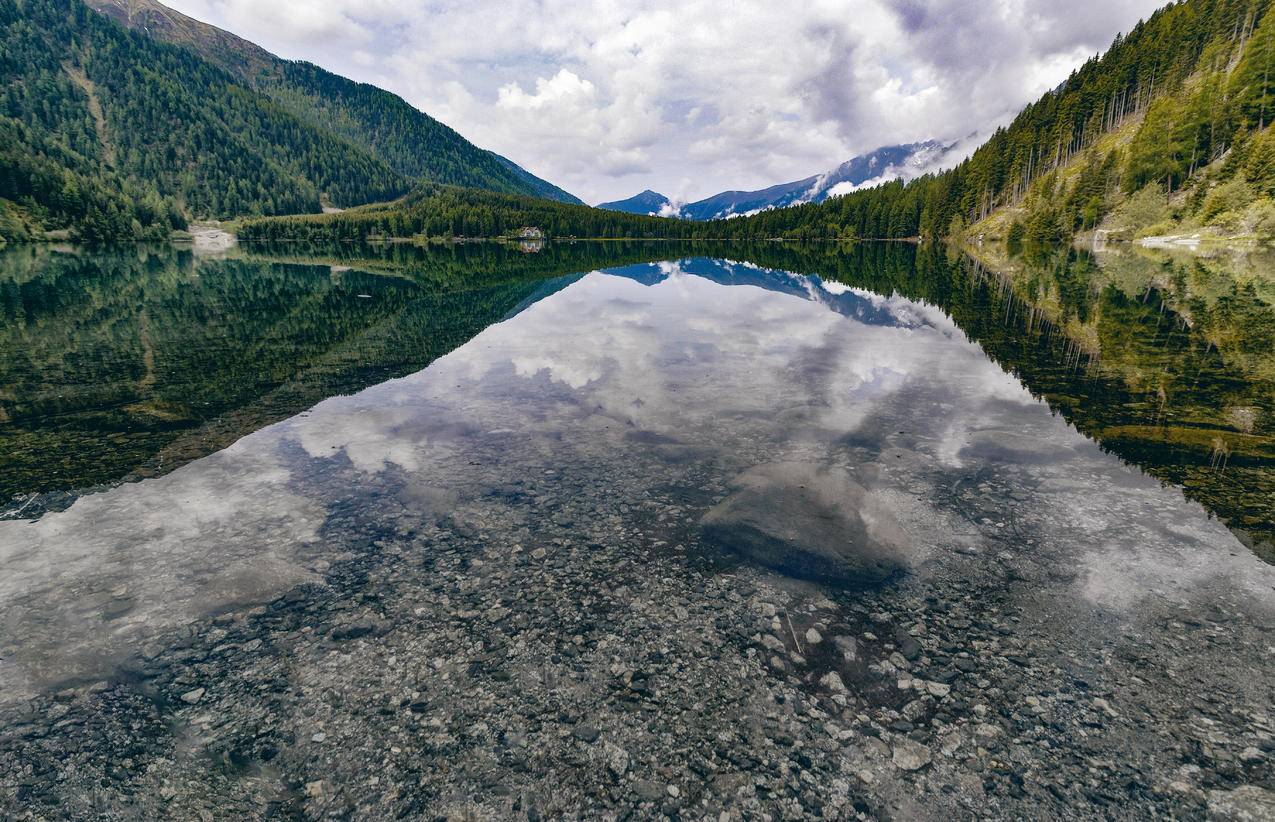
x: 590, y: 529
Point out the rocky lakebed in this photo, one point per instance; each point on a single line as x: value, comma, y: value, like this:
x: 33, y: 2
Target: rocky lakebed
x: 661, y: 545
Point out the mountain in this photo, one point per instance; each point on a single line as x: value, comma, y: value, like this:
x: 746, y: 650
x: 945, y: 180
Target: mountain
x: 1168, y: 131
x: 383, y: 124
x: 879, y: 166
x: 648, y: 202
x: 120, y: 132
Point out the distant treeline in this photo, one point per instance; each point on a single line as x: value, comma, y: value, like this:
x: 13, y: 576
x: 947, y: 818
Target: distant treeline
x: 446, y: 211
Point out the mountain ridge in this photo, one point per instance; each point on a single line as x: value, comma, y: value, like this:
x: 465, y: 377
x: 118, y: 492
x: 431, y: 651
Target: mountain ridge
x: 115, y: 133
x: 372, y: 118
x: 880, y: 165
x: 647, y: 202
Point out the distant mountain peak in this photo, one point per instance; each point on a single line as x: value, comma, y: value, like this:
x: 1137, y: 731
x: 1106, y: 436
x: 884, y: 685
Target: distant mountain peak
x: 647, y: 202
x: 874, y: 168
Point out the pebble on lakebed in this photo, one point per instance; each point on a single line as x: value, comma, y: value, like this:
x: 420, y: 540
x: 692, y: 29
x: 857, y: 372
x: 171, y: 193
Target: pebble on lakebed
x: 652, y: 634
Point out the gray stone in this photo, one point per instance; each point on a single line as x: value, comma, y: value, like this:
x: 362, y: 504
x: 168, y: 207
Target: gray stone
x: 617, y: 760
x: 1251, y: 755
x: 910, y: 649
x: 355, y: 629
x: 811, y: 523
x: 647, y: 791
x: 987, y: 734
x: 1244, y: 804
x: 848, y: 646
x: 586, y: 733
x: 910, y: 756
x: 832, y: 681
x: 191, y: 697
x: 773, y: 643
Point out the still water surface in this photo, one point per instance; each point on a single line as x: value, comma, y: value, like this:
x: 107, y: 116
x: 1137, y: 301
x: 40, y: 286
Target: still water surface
x: 182, y: 435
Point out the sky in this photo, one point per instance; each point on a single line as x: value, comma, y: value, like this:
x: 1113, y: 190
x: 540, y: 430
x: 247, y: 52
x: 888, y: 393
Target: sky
x: 608, y: 97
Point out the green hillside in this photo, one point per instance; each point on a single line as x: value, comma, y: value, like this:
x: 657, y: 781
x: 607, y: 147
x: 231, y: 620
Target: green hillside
x: 116, y: 135
x: 1170, y: 126
x: 384, y: 125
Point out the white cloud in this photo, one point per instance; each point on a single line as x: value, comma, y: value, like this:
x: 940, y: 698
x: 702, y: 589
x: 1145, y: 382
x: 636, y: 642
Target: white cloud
x: 923, y: 162
x: 565, y: 87
x: 606, y: 98
x: 673, y: 208
x: 225, y: 529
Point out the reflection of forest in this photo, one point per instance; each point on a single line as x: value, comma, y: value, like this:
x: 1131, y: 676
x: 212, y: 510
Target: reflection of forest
x: 1174, y: 361
x: 1168, y: 362
x: 130, y: 364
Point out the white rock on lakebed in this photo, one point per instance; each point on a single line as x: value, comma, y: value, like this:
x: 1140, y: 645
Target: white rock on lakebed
x: 832, y: 681
x: 910, y: 756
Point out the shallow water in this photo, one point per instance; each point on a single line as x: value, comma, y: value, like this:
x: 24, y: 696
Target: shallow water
x: 821, y: 429
x: 589, y: 531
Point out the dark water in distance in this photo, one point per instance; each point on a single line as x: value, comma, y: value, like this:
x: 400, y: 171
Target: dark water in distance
x: 127, y: 364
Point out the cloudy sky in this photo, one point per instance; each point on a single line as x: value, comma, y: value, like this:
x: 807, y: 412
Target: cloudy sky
x: 690, y: 97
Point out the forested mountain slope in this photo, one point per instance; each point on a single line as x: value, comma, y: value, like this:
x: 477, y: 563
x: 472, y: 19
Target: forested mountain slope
x: 117, y: 135
x: 1184, y: 101
x: 386, y: 126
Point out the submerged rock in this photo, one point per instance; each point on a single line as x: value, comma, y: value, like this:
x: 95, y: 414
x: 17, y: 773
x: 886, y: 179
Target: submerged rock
x: 910, y: 756
x: 647, y: 791
x: 1248, y: 803
x: 809, y: 522
x: 357, y: 628
x: 586, y: 733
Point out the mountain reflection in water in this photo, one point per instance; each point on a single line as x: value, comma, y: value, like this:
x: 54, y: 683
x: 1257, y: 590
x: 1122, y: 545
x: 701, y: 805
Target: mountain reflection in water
x: 893, y: 384
x: 128, y: 365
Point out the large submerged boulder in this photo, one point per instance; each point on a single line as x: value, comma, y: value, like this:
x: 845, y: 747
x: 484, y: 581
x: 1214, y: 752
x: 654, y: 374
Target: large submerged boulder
x: 809, y: 522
